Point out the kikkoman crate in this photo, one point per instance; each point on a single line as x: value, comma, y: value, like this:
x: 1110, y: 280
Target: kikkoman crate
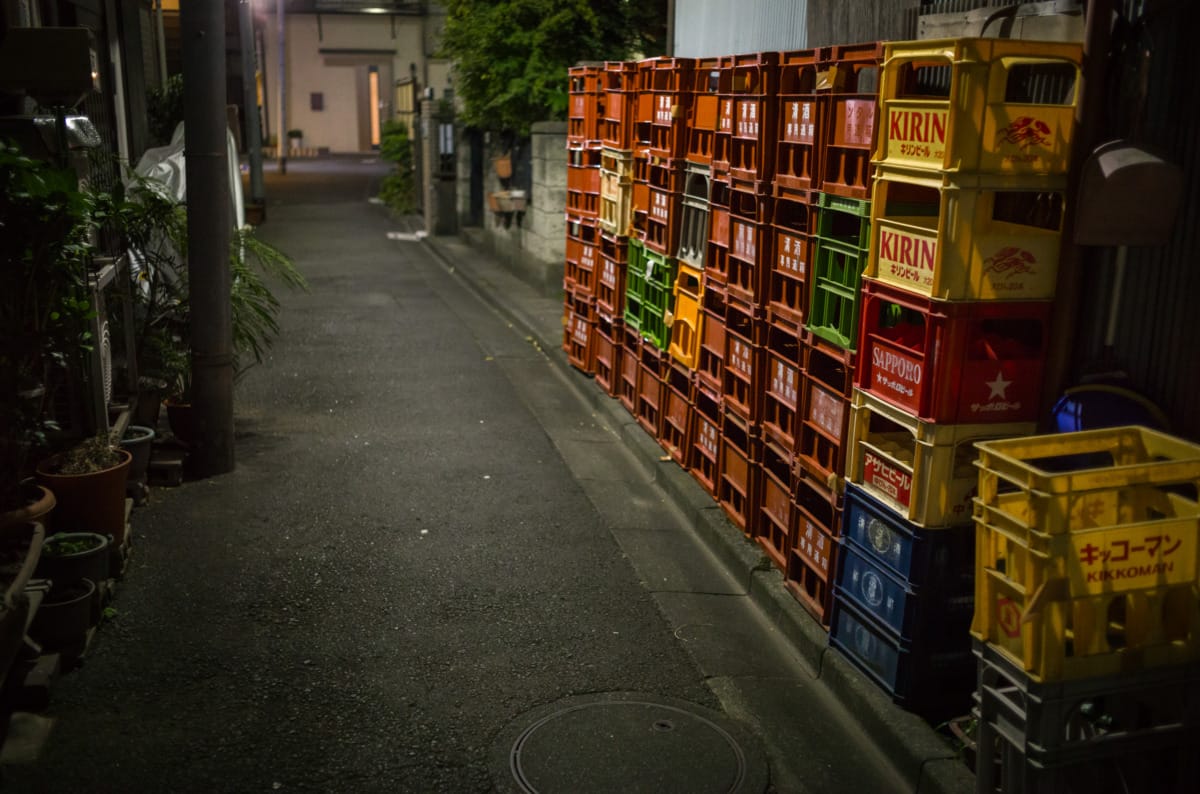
x: 985, y: 105
x: 967, y: 363
x: 966, y: 238
x: 923, y: 471
x: 1087, y: 552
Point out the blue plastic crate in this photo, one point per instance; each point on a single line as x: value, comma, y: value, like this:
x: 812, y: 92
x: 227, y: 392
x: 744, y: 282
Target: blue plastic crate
x: 942, y: 558
x: 940, y: 618
x: 934, y: 684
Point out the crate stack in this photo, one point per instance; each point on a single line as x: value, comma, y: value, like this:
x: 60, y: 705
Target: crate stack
x: 1087, y: 613
x: 951, y: 326
x: 582, y: 322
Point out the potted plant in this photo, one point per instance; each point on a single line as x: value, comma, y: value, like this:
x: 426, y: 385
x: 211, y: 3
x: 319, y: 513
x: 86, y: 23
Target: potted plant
x: 68, y: 557
x: 64, y: 617
x: 45, y: 228
x: 88, y: 480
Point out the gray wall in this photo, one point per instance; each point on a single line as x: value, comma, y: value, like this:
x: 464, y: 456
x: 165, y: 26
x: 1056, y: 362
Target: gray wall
x: 853, y: 21
x: 535, y: 248
x: 707, y: 28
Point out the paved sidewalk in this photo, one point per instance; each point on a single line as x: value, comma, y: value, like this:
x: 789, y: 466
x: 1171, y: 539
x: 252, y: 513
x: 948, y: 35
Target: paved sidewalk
x: 922, y: 757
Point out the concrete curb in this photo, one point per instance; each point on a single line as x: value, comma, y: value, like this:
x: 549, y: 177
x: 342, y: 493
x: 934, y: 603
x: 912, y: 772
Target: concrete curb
x: 929, y: 766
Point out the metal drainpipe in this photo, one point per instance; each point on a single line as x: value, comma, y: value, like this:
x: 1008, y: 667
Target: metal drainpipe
x: 1088, y: 116
x: 283, y: 139
x: 162, y: 46
x: 250, y: 100
x: 208, y: 235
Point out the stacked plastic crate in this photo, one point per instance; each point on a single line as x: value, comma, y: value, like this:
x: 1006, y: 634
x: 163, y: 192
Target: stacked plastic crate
x: 581, y: 320
x: 1087, y: 615
x: 965, y: 222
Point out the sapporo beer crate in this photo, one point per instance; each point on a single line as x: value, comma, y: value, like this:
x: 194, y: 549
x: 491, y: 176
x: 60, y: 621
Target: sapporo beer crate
x: 962, y: 237
x: 979, y: 105
x: 813, y: 558
x: 851, y: 77
x: 953, y: 363
x: 801, y: 128
x: 922, y: 470
x: 1087, y: 552
x: 1136, y: 731
x: 583, y: 120
x: 686, y: 318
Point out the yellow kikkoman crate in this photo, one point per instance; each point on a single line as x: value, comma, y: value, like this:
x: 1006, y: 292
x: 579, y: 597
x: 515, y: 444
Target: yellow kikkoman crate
x: 1087, y: 551
x: 686, y: 318
x: 922, y: 470
x: 616, y: 191
x: 1007, y: 107
x: 966, y: 238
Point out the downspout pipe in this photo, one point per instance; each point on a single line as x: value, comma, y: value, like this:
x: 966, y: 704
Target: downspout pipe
x: 250, y: 100
x: 208, y: 236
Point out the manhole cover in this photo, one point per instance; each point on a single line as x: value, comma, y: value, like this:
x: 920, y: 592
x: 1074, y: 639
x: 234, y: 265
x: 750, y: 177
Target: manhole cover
x: 628, y: 743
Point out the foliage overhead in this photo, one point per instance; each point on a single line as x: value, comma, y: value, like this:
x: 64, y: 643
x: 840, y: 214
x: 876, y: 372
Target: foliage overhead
x: 511, y: 56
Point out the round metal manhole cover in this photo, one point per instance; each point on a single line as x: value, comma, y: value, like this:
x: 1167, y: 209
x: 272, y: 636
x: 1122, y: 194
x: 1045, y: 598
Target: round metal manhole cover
x: 628, y: 743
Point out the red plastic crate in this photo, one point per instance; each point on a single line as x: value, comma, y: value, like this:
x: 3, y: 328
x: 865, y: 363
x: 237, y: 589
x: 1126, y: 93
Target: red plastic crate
x: 813, y: 559
x: 800, y: 128
x: 663, y: 221
x: 650, y: 389
x: 704, y: 439
x: 723, y: 137
x: 702, y: 113
x: 619, y: 104
x: 579, y: 322
x: 787, y: 282
x: 782, y: 388
x: 748, y: 86
x: 583, y: 121
x: 630, y: 359
x: 750, y: 240
x: 583, y: 181
x: 827, y: 383
x: 850, y: 121
x: 580, y: 270
x: 677, y: 412
x: 738, y: 472
x: 582, y: 229
x: 716, y: 258
x: 953, y: 363
x: 744, y: 362
x: 776, y: 509
x: 610, y: 280
x: 607, y: 354
x: 710, y: 368
x: 665, y: 74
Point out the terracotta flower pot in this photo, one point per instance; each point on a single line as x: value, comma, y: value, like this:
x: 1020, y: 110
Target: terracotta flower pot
x: 93, y: 502
x: 37, y: 507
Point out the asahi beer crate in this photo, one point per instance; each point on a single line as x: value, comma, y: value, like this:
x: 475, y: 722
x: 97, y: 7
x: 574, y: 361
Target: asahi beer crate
x: 922, y: 470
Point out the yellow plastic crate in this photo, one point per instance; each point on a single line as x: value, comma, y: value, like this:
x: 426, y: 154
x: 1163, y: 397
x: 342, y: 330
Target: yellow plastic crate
x: 616, y: 199
x: 686, y: 319
x: 966, y: 238
x: 1091, y: 602
x: 1007, y: 106
x: 923, y: 471
x: 1075, y: 481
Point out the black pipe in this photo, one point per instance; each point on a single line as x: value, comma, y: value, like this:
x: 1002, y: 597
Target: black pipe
x: 208, y: 234
x: 250, y: 100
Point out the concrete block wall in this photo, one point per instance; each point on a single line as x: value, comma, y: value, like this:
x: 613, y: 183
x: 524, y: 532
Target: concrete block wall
x: 533, y: 245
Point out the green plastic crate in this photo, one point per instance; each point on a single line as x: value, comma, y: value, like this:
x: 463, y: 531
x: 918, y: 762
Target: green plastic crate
x: 844, y: 220
x: 836, y: 294
x: 660, y: 269
x: 654, y: 327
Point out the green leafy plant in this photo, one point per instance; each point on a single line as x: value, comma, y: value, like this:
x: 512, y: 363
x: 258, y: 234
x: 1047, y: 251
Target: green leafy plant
x: 46, y: 224
x: 511, y: 56
x: 164, y: 109
x: 58, y: 546
x: 398, y: 189
x: 255, y: 308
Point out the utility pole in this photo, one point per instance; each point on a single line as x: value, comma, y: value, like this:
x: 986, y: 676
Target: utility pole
x: 250, y: 100
x: 207, y: 171
x: 283, y: 139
